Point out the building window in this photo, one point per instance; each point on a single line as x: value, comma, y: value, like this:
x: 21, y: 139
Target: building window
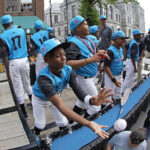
x: 59, y: 32
x: 18, y: 5
x: 55, y: 18
x: 105, y: 11
x: 112, y: 29
x: 119, y: 18
x: 129, y: 33
x: 128, y: 19
x: 73, y: 11
x: 65, y: 14
x: 66, y: 31
x: 111, y: 12
x: 12, y: 6
x: 116, y: 17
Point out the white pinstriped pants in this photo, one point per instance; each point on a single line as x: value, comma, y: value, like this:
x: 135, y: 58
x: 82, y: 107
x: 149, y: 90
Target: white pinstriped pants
x: 19, y: 74
x: 39, y: 112
x: 88, y: 85
x: 130, y: 75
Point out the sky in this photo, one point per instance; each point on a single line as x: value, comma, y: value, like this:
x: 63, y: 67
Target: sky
x: 144, y: 3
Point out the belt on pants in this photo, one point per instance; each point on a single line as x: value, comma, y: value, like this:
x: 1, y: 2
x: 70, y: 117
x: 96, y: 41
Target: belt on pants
x: 87, y: 77
x: 84, y: 77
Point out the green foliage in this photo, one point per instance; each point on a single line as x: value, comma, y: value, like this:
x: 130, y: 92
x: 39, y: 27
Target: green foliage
x: 88, y: 11
x: 105, y: 2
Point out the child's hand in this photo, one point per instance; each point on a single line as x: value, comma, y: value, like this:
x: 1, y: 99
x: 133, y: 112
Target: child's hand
x: 98, y: 129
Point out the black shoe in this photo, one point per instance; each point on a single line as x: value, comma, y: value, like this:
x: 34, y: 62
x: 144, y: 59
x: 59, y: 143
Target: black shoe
x: 26, y: 116
x: 29, y: 105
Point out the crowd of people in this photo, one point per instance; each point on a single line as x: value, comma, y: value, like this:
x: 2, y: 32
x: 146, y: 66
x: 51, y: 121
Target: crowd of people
x: 75, y: 62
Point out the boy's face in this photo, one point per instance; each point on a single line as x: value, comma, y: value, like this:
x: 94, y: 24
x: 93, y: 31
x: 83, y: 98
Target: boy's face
x: 83, y: 29
x: 58, y: 59
x: 137, y: 37
x: 120, y: 41
x: 97, y: 34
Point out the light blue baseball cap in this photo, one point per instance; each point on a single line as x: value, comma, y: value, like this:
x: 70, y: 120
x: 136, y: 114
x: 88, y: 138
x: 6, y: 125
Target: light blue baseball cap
x: 38, y: 24
x: 49, y: 45
x: 93, y: 29
x: 149, y: 30
x: 75, y: 22
x: 119, y: 35
x: 136, y: 32
x: 6, y: 19
x: 102, y: 17
x: 49, y: 29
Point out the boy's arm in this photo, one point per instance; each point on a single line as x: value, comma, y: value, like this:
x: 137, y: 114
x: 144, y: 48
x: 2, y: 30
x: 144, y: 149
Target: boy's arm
x: 108, y: 147
x: 134, y: 51
x: 73, y: 116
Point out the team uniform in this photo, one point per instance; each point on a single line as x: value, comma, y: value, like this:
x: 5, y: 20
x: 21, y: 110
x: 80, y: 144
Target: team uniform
x: 133, y: 52
x: 94, y: 39
x: 37, y: 39
x: 93, y: 33
x: 50, y: 32
x: 115, y: 63
x: 47, y: 85
x: 13, y: 41
x: 82, y: 48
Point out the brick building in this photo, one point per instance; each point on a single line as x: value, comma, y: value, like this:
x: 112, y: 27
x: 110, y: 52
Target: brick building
x: 24, y: 12
x: 22, y: 8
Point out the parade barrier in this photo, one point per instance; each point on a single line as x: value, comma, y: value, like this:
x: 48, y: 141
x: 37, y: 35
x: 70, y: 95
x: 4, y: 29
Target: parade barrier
x: 14, y: 131
x: 84, y: 139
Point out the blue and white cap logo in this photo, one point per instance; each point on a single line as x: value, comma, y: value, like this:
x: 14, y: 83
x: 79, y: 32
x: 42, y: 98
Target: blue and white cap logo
x: 57, y: 41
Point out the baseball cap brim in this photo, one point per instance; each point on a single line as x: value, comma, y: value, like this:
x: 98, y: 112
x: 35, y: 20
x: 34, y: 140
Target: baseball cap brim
x: 121, y: 38
x: 125, y: 37
x: 63, y: 45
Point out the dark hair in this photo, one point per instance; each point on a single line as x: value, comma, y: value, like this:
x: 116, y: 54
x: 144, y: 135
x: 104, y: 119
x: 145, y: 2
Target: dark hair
x: 7, y: 25
x: 50, y: 53
x: 138, y: 136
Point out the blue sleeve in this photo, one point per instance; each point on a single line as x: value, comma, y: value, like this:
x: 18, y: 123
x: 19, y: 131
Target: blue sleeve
x: 46, y: 86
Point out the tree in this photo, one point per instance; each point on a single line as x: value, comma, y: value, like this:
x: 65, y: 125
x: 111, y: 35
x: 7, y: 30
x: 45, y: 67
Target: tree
x: 89, y: 12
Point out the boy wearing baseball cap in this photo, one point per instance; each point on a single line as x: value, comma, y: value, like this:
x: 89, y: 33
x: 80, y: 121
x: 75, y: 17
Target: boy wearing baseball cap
x: 94, y: 35
x: 13, y: 50
x: 114, y: 65
x: 50, y: 83
x: 37, y: 39
x: 131, y: 62
x: 83, y: 58
x: 50, y: 32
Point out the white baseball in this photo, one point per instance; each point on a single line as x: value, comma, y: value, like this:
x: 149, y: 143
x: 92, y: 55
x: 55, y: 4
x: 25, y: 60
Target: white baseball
x: 120, y: 125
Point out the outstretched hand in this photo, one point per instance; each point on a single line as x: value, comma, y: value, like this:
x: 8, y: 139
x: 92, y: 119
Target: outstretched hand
x: 98, y: 129
x: 102, y: 97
